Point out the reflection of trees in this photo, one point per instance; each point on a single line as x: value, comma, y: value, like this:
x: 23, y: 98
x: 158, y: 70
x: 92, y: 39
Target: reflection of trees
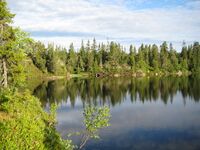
x: 194, y: 87
x: 153, y: 87
x: 41, y: 92
x: 115, y: 90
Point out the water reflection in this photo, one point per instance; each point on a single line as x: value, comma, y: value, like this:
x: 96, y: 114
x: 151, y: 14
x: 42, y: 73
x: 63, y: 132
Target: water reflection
x: 115, y: 90
x: 147, y: 113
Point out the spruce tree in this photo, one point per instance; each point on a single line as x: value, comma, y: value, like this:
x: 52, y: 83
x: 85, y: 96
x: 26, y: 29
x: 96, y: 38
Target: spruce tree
x: 132, y: 57
x: 50, y: 59
x: 10, y: 54
x: 164, y: 54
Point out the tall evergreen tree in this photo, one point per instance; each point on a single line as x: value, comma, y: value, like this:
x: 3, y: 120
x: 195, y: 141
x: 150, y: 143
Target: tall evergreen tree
x: 190, y: 58
x: 72, y: 59
x: 174, y: 66
x: 38, y: 55
x: 155, y: 57
x: 90, y: 57
x: 83, y: 57
x: 10, y: 54
x: 141, y: 64
x: 132, y: 57
x: 164, y: 56
x: 196, y: 56
x: 50, y: 59
x: 184, y: 57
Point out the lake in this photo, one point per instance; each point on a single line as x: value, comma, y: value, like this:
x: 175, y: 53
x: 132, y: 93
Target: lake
x: 146, y: 113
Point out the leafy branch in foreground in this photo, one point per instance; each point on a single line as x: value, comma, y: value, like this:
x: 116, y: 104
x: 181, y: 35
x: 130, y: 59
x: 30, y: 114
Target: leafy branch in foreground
x: 94, y: 120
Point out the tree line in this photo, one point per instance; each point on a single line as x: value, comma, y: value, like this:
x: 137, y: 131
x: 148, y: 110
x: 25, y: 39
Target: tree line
x: 112, y: 57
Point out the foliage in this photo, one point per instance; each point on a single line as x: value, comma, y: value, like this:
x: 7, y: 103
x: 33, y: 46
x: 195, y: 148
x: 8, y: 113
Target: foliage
x: 5, y: 15
x: 71, y: 59
x: 112, y: 58
x: 10, y: 55
x: 50, y: 59
x: 38, y: 55
x: 26, y: 125
x: 12, y: 44
x: 95, y: 118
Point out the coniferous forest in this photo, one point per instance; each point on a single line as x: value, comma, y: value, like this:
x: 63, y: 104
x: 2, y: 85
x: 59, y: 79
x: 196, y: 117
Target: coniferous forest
x: 112, y: 57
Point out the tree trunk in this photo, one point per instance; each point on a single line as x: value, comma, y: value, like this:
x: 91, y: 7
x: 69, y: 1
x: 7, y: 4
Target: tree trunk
x: 84, y: 141
x: 5, y: 74
x: 4, y: 66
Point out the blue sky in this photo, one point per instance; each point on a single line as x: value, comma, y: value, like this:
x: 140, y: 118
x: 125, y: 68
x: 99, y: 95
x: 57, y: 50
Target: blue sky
x: 124, y: 21
x: 143, y: 4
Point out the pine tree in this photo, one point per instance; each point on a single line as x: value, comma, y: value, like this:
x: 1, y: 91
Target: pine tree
x: 174, y: 66
x: 155, y: 57
x: 132, y: 57
x: 10, y: 54
x: 72, y: 59
x: 184, y: 57
x: 82, y: 57
x: 164, y: 56
x: 146, y: 54
x: 114, y: 55
x: 38, y: 55
x: 141, y: 64
x: 50, y: 59
x: 190, y: 58
x: 196, y: 57
x: 90, y: 57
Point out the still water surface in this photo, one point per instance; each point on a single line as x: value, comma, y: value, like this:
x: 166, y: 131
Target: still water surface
x: 147, y: 113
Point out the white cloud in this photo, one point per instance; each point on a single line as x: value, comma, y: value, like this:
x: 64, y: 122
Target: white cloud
x: 114, y: 21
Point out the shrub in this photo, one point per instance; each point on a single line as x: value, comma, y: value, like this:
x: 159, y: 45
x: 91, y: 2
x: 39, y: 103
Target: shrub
x: 25, y: 125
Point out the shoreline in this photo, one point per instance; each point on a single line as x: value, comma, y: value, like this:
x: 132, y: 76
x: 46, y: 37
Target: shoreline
x: 112, y: 74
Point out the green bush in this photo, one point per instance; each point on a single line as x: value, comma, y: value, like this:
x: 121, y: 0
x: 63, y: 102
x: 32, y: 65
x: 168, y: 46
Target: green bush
x: 25, y: 125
